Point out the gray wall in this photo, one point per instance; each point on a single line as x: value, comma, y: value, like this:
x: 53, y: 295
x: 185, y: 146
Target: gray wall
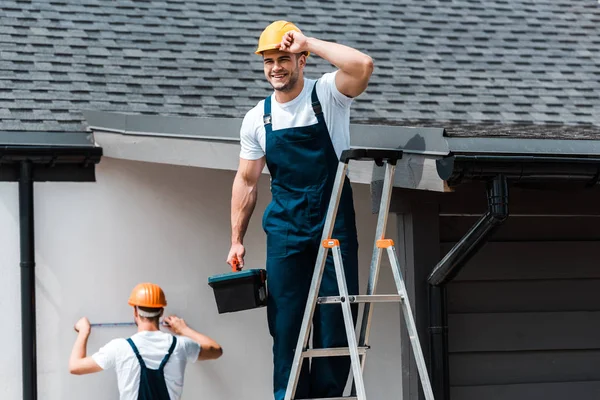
x: 524, y: 314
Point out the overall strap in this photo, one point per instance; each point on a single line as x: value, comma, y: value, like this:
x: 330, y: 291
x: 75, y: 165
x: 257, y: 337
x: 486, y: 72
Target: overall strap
x: 267, y: 115
x: 137, y: 353
x: 164, y: 361
x: 316, y: 104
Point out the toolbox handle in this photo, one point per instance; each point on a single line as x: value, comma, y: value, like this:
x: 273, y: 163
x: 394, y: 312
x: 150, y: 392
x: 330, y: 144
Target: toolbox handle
x: 235, y: 265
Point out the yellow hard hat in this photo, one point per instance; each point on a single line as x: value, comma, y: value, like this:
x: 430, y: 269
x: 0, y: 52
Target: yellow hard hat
x: 147, y: 295
x: 271, y: 37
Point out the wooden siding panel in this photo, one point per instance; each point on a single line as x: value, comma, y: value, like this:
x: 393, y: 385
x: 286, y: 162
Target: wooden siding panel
x: 524, y: 296
x: 524, y: 331
x: 531, y: 391
x: 524, y: 317
x: 527, y: 229
x: 531, y: 260
x: 468, y: 369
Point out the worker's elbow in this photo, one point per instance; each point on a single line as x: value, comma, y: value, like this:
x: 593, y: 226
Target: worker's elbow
x: 217, y: 352
x: 211, y: 353
x: 368, y: 66
x: 73, y: 370
x: 245, y: 183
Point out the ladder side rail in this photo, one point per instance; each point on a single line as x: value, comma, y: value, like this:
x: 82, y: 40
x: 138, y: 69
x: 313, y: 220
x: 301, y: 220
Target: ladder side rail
x: 334, y: 202
x: 382, y: 219
x: 410, y: 324
x: 348, y: 322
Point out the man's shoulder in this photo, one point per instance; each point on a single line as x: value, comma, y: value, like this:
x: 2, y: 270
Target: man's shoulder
x: 117, y: 343
x: 253, y: 119
x: 107, y: 354
x: 183, y: 342
x: 328, y: 92
x: 327, y: 78
x: 325, y: 84
x: 256, y: 111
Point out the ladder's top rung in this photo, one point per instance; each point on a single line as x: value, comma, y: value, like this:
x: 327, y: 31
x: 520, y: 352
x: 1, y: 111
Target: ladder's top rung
x: 333, y: 352
x: 374, y: 298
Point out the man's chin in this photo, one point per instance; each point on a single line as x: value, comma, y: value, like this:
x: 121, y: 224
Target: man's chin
x: 278, y: 84
x: 281, y: 87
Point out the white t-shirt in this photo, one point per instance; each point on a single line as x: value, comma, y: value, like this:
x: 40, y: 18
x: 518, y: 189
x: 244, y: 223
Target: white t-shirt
x: 153, y: 346
x: 299, y: 112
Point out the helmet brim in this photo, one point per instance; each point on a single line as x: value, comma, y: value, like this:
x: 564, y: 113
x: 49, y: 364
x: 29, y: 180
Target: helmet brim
x: 261, y: 50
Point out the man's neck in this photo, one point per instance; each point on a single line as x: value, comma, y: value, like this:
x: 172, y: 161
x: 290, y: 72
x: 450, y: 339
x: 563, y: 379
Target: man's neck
x: 284, y: 97
x: 147, y: 326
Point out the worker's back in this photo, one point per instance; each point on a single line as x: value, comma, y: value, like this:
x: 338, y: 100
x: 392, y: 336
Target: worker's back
x: 153, y: 346
x: 150, y: 365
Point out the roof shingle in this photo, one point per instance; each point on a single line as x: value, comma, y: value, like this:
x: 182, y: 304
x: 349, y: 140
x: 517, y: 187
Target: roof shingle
x: 438, y: 63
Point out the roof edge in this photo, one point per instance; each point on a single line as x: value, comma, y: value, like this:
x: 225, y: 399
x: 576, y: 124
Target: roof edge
x: 554, y: 147
x: 418, y: 140
x: 47, y: 139
x: 415, y: 140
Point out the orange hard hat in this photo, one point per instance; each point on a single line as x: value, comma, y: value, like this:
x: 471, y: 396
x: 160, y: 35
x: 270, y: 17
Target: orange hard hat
x: 147, y: 295
x: 271, y: 37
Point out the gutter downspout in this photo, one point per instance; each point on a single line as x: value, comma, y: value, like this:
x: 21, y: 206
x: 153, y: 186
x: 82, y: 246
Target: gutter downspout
x: 25, y: 164
x: 447, y: 269
x: 28, y: 328
x: 438, y: 342
x: 468, y: 245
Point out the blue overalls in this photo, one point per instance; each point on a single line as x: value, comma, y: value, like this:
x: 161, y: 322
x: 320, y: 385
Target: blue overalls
x: 303, y: 165
x: 152, y: 381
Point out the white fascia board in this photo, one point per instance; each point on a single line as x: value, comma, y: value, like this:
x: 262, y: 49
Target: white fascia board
x: 413, y: 171
x: 165, y: 150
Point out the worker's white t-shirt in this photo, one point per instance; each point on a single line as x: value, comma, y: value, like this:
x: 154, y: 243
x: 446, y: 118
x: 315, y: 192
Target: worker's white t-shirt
x: 299, y: 112
x: 153, y: 346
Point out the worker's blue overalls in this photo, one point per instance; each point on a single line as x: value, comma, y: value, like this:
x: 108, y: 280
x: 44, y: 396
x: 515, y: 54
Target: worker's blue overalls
x: 303, y: 165
x: 152, y: 381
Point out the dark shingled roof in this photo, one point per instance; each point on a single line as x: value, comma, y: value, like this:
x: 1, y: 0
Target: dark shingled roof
x: 469, y: 65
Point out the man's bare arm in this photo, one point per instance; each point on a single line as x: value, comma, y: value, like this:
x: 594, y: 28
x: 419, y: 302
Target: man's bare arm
x: 243, y: 200
x: 355, y: 68
x: 209, y: 349
x: 79, y: 364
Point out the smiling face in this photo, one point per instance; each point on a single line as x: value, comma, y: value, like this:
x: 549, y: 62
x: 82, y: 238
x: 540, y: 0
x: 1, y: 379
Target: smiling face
x: 283, y: 70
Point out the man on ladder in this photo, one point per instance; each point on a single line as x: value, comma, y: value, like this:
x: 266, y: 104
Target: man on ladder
x: 151, y: 364
x: 300, y: 132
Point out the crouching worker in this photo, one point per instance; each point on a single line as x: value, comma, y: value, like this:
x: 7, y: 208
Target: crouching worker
x: 150, y: 365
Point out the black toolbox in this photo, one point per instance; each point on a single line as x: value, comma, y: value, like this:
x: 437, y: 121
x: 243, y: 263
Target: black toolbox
x: 238, y: 291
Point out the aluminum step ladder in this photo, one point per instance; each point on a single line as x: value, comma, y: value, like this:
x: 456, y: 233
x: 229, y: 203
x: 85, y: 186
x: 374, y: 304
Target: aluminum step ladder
x: 357, y: 347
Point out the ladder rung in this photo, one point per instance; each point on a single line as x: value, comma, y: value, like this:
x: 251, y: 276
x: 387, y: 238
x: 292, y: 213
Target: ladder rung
x: 332, y: 352
x: 375, y: 298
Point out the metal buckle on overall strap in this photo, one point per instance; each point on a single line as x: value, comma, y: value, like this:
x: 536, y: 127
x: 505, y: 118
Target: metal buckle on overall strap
x: 316, y: 105
x: 267, y: 119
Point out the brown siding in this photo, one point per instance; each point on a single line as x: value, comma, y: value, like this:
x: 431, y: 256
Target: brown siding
x: 524, y: 314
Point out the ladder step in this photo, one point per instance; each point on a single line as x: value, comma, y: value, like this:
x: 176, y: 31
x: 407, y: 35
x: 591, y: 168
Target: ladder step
x: 375, y: 298
x: 332, y: 352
